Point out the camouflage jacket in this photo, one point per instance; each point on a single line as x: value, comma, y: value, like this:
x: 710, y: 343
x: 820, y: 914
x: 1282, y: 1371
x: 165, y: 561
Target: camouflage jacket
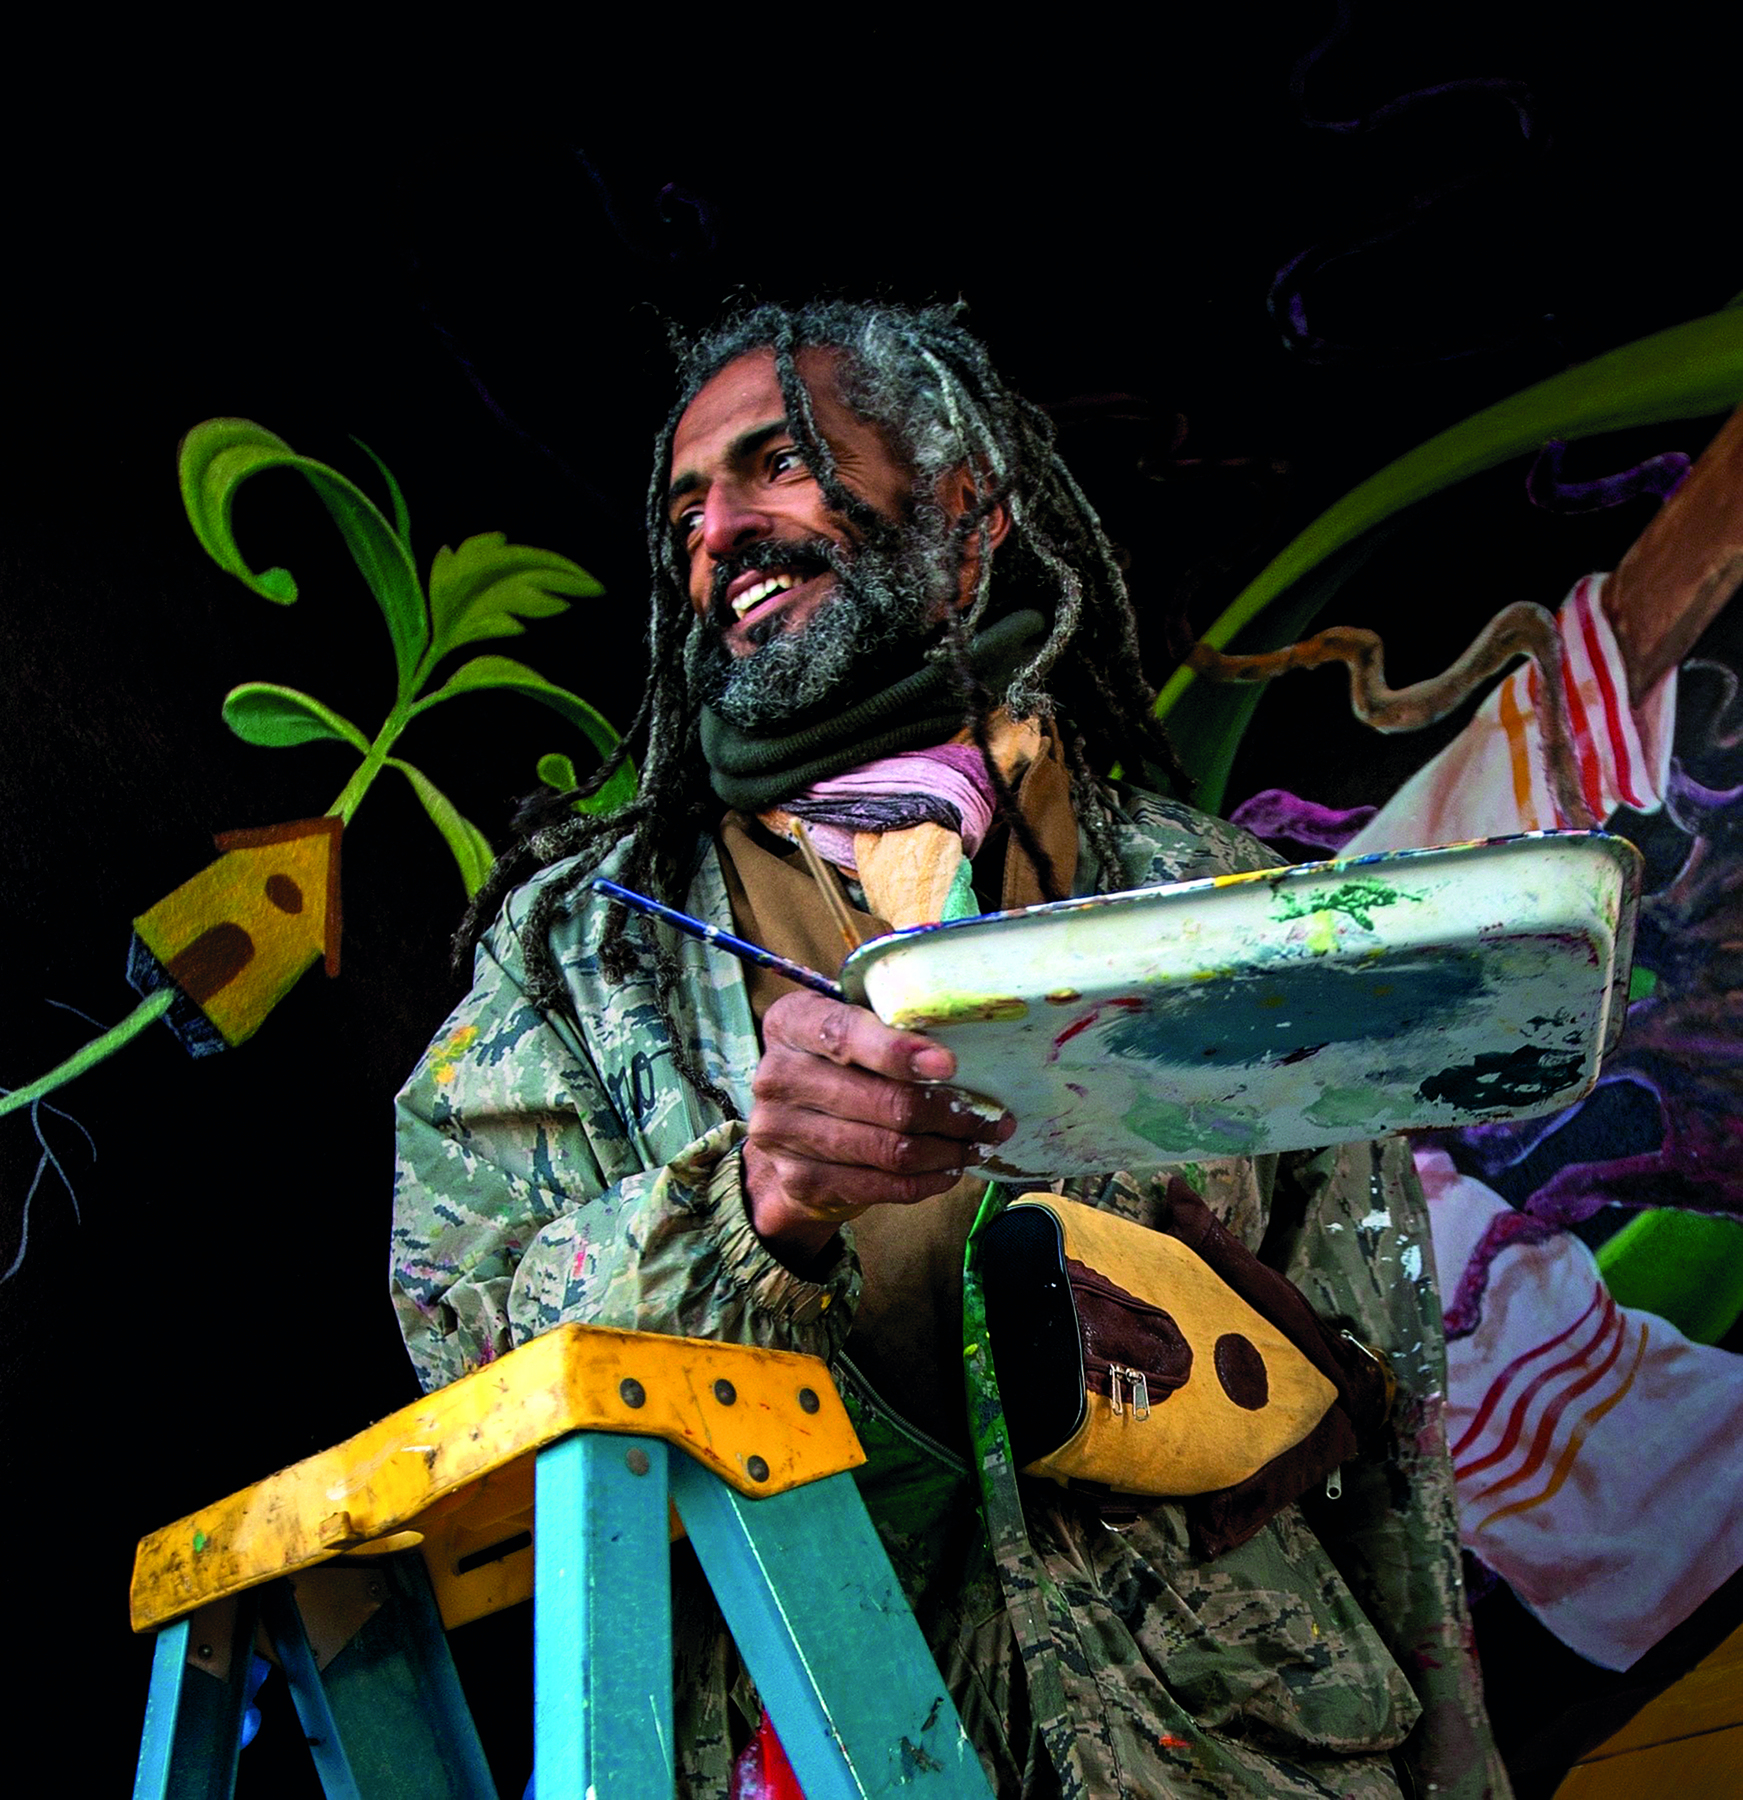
x: 549, y: 1172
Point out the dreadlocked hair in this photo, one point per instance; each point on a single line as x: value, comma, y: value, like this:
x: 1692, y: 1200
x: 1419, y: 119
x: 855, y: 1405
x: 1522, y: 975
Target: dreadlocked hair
x: 916, y: 373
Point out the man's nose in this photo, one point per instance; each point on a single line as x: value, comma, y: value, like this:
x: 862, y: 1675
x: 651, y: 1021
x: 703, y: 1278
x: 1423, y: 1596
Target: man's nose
x: 730, y: 520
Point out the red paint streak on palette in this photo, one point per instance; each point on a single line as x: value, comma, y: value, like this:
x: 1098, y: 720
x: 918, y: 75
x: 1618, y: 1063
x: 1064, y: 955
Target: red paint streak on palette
x: 1089, y: 1018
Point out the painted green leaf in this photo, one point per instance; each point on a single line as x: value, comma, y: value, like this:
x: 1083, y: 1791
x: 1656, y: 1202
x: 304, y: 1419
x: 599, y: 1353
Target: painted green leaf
x: 557, y: 771
x: 485, y: 672
x: 217, y: 456
x: 1688, y: 372
x: 1686, y: 1267
x: 486, y: 587
x: 260, y: 712
x: 402, y: 518
x: 471, y: 847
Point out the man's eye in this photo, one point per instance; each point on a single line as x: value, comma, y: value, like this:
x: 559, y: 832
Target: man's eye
x: 781, y: 462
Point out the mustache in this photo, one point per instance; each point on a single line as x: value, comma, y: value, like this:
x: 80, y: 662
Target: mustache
x: 804, y: 556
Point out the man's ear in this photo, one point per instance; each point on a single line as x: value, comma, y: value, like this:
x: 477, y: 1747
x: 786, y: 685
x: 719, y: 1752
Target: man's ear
x: 956, y: 495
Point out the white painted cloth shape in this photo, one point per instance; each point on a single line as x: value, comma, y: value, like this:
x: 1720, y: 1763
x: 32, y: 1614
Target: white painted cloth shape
x: 1617, y: 1516
x: 1597, y: 1453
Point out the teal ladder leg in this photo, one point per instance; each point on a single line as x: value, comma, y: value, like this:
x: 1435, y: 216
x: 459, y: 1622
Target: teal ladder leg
x: 387, y: 1718
x: 826, y: 1632
x: 602, y: 1620
x: 284, y: 1625
x: 193, y: 1719
x: 392, y: 1699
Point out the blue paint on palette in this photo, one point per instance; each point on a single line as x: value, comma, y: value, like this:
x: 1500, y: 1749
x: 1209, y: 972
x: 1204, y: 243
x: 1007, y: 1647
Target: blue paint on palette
x: 1282, y: 1014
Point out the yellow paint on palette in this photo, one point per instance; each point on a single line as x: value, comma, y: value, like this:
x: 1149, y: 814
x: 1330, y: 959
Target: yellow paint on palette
x: 959, y: 1009
x: 236, y: 938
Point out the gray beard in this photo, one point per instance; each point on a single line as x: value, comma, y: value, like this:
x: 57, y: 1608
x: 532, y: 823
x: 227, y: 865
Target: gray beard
x: 886, y: 591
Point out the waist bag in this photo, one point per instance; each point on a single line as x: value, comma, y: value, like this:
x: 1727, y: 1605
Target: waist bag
x: 1168, y: 1363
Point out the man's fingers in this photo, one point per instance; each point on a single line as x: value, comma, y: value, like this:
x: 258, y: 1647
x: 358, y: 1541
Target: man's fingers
x: 850, y: 1035
x: 837, y: 1189
x: 798, y: 1079
x: 820, y: 1137
x: 850, y: 1114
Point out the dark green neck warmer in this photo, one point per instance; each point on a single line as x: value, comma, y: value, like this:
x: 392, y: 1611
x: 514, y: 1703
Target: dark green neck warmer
x: 755, y: 770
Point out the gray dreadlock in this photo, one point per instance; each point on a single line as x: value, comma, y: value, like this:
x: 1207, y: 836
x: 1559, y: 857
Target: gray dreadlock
x: 922, y: 378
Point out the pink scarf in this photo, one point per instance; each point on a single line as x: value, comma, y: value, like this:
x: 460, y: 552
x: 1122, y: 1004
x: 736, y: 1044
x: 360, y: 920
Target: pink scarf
x: 947, y: 785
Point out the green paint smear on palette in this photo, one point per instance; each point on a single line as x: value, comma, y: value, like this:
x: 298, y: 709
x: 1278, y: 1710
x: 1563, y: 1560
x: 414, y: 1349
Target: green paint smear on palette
x: 1357, y: 898
x: 1340, y: 1107
x: 1173, y: 1128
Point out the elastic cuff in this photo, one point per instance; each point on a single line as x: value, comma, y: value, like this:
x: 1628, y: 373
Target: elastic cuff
x: 824, y: 1305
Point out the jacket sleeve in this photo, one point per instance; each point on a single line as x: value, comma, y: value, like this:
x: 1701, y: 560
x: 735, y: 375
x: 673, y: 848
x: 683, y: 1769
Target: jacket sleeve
x: 522, y: 1199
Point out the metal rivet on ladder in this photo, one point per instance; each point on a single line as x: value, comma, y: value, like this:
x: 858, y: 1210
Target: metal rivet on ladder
x: 637, y: 1462
x: 631, y: 1392
x: 756, y: 1468
x: 725, y: 1392
x: 808, y: 1401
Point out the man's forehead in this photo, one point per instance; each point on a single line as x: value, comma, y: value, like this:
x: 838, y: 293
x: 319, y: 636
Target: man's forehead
x: 746, y: 392
x: 746, y: 395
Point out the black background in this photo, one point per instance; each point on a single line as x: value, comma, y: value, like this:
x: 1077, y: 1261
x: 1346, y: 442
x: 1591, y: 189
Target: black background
x: 486, y: 312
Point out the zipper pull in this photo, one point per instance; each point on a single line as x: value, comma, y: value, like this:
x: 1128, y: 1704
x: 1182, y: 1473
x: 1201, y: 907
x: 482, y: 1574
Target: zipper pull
x: 1334, y: 1484
x: 1114, y: 1373
x: 1140, y: 1394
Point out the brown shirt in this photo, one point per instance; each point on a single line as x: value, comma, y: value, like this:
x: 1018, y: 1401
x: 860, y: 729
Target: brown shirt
x: 907, y: 1333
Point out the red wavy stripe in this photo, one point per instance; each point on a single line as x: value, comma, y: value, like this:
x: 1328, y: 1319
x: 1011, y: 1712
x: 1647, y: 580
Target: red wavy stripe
x: 1492, y: 1398
x: 1626, y: 786
x: 1591, y: 771
x: 1565, y: 1462
x: 1515, y: 1426
x: 1544, y: 1437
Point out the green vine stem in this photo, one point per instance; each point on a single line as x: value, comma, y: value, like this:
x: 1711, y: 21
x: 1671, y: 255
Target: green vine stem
x: 154, y: 1006
x: 351, y: 795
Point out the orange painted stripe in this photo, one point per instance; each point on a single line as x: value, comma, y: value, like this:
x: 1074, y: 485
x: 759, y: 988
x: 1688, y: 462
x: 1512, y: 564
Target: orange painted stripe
x: 1518, y: 754
x: 1565, y: 1462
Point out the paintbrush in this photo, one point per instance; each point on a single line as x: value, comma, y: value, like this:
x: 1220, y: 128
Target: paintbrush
x: 824, y: 876
x: 742, y: 948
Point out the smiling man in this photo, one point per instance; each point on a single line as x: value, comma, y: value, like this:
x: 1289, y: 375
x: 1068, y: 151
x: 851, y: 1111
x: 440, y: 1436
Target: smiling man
x: 883, y: 609
x: 798, y: 595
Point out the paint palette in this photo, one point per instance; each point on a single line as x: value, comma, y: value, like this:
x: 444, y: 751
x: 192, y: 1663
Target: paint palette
x: 1275, y: 1011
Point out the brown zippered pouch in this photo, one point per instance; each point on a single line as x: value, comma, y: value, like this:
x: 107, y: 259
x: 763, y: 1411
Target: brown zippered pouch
x: 1167, y: 1363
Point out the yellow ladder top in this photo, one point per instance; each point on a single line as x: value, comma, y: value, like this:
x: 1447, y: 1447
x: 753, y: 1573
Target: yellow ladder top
x: 763, y: 1420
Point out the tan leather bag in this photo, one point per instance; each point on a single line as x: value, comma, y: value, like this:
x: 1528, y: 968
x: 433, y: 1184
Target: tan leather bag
x: 1167, y: 1363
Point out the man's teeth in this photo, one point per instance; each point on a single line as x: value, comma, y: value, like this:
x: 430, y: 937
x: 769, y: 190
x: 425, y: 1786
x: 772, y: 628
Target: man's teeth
x: 759, y: 591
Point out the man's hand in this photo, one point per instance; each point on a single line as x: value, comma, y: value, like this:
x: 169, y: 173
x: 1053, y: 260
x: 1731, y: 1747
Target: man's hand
x: 843, y: 1119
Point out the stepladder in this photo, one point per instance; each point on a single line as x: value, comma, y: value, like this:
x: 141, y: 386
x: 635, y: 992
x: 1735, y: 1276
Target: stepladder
x: 559, y: 1475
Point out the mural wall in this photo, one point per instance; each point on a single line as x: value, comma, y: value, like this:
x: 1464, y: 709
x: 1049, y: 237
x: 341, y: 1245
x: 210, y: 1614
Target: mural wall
x: 1267, y: 268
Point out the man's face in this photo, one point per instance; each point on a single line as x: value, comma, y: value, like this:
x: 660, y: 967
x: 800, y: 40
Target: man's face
x: 793, y: 594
